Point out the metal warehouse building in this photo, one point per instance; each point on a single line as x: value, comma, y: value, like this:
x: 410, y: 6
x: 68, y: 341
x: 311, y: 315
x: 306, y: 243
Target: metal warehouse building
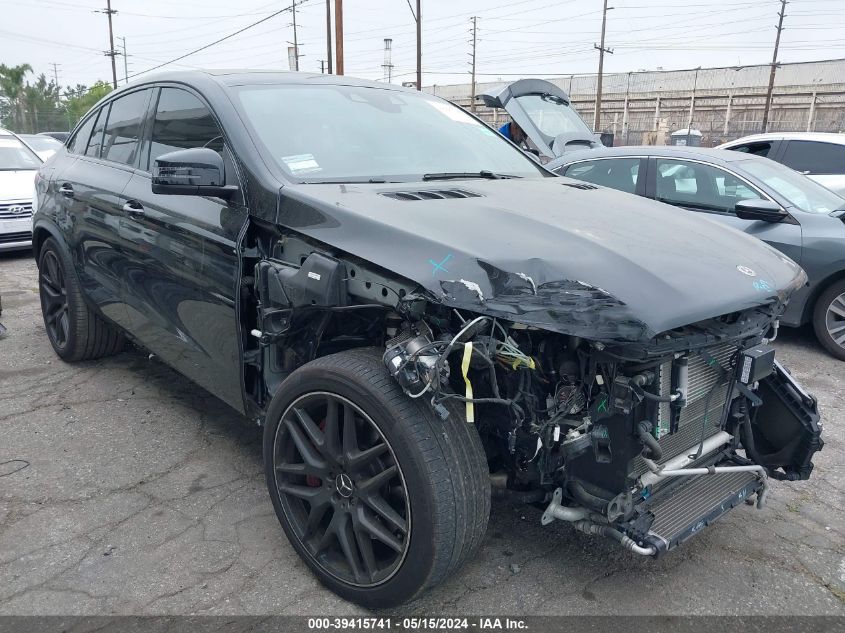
x: 724, y: 103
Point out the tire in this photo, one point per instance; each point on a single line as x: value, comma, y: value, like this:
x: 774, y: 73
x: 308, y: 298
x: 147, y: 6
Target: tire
x: 439, y: 486
x: 73, y: 329
x: 829, y: 317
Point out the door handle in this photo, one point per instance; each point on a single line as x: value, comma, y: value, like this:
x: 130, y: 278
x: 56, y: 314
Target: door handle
x: 133, y: 208
x: 66, y: 190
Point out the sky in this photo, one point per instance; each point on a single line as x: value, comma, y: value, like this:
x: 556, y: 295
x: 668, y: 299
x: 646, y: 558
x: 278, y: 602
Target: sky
x: 514, y: 39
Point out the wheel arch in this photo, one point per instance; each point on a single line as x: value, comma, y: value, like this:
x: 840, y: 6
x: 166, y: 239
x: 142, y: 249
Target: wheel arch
x: 40, y: 232
x: 810, y: 304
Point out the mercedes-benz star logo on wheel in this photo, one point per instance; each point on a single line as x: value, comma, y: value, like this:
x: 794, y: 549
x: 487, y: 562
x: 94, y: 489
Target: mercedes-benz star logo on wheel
x: 17, y: 210
x: 745, y: 270
x: 343, y: 483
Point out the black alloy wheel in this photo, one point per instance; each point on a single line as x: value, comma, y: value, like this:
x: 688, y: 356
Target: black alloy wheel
x: 54, y: 304
x: 342, y: 489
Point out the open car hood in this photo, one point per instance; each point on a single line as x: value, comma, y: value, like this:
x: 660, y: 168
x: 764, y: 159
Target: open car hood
x: 551, y: 252
x: 579, y: 136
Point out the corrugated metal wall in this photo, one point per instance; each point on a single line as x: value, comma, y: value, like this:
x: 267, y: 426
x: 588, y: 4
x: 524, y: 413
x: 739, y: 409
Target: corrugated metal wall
x: 645, y: 107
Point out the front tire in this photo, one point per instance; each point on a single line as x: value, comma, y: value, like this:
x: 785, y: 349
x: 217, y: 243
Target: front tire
x: 74, y: 330
x: 380, y: 497
x: 829, y: 319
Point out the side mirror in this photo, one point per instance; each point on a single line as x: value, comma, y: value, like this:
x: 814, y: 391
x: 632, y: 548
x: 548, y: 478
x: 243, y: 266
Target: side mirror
x: 191, y: 172
x: 757, y: 209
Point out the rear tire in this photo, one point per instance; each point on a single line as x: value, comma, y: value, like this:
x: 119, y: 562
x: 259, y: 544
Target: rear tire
x: 829, y: 319
x: 75, y: 331
x: 434, y: 472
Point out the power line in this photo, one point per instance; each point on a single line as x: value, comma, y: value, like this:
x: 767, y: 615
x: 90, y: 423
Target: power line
x: 474, y: 44
x: 218, y: 41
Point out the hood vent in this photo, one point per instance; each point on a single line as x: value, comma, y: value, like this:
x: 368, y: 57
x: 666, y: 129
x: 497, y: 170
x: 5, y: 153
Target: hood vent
x: 431, y: 194
x: 580, y: 185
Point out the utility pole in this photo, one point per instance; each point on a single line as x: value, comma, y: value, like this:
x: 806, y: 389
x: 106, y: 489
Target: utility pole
x: 111, y: 52
x: 338, y: 36
x: 771, y: 88
x: 323, y: 66
x: 474, y: 20
x: 419, y: 45
x: 295, y: 42
x: 602, y: 50
x: 329, y: 34
x: 56, y: 73
x: 125, y: 62
x: 388, y: 60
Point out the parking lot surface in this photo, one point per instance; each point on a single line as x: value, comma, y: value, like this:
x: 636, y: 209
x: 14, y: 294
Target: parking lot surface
x: 128, y: 490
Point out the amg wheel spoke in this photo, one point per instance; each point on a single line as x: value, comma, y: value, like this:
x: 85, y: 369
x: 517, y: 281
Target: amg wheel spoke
x: 53, y: 270
x: 365, y: 546
x: 836, y: 309
x: 332, y: 430
x: 51, y: 293
x: 311, y: 429
x: 307, y: 493
x: 349, y: 546
x: 306, y: 449
x: 836, y: 330
x: 377, y: 481
x: 350, y: 433
x: 840, y: 340
x: 383, y: 509
x: 361, y: 458
x: 315, y: 517
x: 298, y: 469
x: 378, y: 531
x: 64, y: 325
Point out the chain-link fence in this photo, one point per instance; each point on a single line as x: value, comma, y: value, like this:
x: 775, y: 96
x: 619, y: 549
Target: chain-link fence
x: 722, y: 103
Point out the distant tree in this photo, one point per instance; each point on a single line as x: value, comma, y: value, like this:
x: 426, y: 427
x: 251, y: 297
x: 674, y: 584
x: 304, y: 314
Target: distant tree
x: 12, y: 89
x: 80, y: 99
x: 43, y: 107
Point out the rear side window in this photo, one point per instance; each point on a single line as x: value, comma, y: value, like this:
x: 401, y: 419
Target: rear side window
x: 813, y: 157
x: 182, y: 121
x: 616, y: 173
x: 122, y: 132
x: 757, y: 149
x: 96, y: 141
x: 80, y: 139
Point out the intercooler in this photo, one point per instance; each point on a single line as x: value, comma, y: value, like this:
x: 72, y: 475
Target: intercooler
x: 709, y: 371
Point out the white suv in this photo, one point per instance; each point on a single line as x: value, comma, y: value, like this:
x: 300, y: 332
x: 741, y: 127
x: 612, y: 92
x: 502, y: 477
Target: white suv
x: 817, y: 155
x: 18, y: 166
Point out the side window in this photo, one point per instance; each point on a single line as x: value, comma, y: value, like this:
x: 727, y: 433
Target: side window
x: 616, y: 173
x: 96, y: 141
x: 811, y: 157
x: 120, y: 141
x: 182, y: 121
x: 757, y: 149
x: 700, y: 186
x: 80, y: 140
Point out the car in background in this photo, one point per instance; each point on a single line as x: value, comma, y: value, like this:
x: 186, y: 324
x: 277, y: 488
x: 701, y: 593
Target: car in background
x: 542, y: 109
x: 44, y: 146
x: 59, y: 136
x: 817, y: 155
x: 797, y: 216
x: 18, y: 166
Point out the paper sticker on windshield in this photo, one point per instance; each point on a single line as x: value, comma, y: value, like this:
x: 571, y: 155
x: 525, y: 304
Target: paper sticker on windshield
x: 453, y: 112
x: 301, y: 163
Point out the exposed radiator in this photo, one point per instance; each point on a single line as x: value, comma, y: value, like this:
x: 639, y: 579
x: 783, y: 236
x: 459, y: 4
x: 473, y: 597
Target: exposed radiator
x: 702, y: 378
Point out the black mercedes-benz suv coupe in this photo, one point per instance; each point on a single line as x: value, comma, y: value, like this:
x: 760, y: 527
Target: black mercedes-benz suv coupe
x: 413, y: 308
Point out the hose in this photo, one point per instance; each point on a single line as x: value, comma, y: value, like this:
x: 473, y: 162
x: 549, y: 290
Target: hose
x: 590, y: 500
x: 649, y: 441
x: 589, y: 527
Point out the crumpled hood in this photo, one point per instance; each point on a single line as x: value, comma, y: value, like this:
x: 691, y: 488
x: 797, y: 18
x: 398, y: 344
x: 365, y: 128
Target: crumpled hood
x: 592, y: 262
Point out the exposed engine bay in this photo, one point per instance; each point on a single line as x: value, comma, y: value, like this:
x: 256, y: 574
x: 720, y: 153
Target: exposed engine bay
x: 643, y: 442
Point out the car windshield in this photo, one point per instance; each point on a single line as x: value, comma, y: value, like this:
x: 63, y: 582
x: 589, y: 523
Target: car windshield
x: 41, y: 143
x: 352, y: 133
x: 799, y: 190
x: 15, y: 156
x: 552, y: 115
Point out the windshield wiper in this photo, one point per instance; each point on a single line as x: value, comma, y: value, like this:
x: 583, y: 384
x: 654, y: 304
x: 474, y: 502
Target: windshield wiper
x: 455, y: 175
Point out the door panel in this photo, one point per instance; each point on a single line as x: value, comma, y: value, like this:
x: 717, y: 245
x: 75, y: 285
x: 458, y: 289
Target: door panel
x: 181, y: 283
x: 89, y: 191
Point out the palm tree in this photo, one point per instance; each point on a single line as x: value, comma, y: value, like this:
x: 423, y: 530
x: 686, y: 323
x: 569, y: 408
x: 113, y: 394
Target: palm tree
x: 12, y: 88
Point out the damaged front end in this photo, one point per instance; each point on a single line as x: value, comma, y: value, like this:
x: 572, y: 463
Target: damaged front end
x: 641, y: 437
x: 644, y: 442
